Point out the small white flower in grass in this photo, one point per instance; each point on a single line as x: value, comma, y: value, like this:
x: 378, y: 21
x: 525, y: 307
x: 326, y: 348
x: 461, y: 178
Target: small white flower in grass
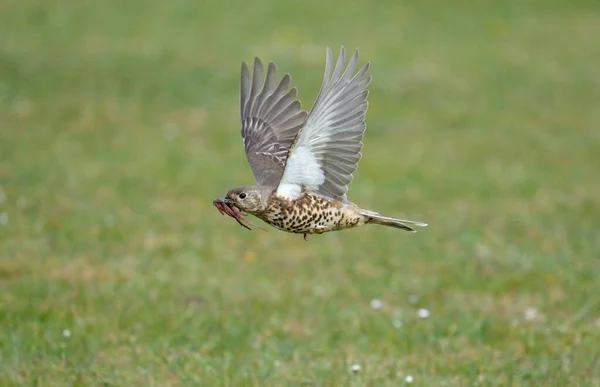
x: 423, y: 313
x: 376, y: 303
x: 355, y: 367
x: 409, y: 379
x: 66, y: 333
x: 531, y: 314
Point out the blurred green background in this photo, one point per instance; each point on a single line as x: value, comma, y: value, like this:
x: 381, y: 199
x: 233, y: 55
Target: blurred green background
x: 119, y: 125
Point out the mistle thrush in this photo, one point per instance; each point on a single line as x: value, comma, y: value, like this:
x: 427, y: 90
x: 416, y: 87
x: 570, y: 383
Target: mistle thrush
x: 303, y: 162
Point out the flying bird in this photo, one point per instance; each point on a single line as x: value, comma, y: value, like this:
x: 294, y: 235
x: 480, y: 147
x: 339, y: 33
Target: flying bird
x: 303, y: 162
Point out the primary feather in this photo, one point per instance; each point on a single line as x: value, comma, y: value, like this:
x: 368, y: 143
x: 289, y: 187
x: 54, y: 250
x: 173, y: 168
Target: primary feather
x: 326, y: 151
x: 271, y: 117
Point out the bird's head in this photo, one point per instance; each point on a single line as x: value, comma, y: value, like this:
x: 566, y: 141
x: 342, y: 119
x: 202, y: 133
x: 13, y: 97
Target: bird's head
x: 251, y: 199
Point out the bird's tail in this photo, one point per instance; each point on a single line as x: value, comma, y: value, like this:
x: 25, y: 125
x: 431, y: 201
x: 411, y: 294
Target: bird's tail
x: 375, y: 218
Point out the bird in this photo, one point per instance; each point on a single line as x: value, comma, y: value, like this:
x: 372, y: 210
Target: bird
x: 303, y: 162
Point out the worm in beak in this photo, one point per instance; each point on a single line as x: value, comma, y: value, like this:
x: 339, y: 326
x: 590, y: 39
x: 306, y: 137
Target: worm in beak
x: 226, y: 206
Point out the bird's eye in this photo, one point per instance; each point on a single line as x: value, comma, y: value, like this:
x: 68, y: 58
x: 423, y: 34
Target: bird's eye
x: 242, y: 195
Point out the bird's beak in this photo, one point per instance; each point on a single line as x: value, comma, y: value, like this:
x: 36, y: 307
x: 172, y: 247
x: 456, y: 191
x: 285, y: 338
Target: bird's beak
x: 222, y: 199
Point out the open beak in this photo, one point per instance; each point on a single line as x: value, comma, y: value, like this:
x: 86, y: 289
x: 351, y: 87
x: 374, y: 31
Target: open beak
x: 227, y: 206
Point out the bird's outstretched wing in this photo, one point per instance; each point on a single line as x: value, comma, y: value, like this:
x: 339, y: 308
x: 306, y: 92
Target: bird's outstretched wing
x: 271, y: 118
x: 326, y: 151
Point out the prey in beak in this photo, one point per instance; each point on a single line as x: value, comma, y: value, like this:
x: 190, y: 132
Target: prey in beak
x: 227, y: 206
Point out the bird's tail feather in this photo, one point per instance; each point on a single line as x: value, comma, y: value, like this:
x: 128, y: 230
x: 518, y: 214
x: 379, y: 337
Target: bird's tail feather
x: 375, y: 218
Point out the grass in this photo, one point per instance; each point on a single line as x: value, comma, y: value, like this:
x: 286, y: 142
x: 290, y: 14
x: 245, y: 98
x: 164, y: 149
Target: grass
x: 119, y: 125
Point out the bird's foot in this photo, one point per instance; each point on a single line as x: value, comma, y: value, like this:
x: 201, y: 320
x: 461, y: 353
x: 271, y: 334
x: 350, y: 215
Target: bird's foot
x: 305, y: 237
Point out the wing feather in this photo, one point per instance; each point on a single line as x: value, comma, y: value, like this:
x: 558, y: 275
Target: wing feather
x: 271, y: 117
x: 325, y: 154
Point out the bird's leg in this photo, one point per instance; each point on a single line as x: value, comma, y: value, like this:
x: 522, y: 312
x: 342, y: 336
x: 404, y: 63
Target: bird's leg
x: 305, y: 237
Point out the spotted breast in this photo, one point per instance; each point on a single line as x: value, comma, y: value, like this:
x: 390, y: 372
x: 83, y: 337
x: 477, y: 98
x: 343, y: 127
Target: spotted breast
x: 311, y: 214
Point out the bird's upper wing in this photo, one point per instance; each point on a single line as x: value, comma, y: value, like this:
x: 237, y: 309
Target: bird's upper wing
x: 326, y: 151
x: 271, y: 118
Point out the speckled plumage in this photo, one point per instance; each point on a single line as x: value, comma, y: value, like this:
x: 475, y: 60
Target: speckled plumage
x: 311, y: 214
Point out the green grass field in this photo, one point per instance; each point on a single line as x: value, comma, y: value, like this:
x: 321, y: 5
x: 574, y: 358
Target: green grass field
x: 119, y: 125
